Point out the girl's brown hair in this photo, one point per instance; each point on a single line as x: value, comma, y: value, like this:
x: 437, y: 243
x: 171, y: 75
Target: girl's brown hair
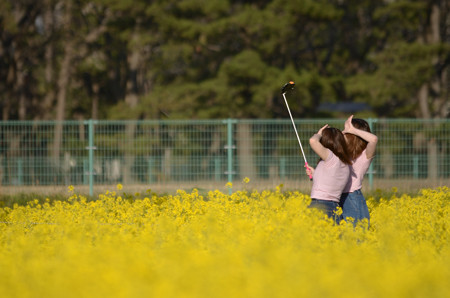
x: 355, y: 144
x: 333, y: 139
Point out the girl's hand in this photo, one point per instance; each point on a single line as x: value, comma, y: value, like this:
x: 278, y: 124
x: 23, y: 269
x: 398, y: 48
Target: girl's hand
x: 321, y: 130
x: 309, y: 170
x: 348, y: 126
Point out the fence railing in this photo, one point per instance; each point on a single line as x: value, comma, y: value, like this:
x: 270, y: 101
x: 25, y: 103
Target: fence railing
x: 91, y: 153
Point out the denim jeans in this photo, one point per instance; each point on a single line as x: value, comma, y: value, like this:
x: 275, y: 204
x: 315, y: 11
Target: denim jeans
x: 328, y: 207
x: 354, y: 205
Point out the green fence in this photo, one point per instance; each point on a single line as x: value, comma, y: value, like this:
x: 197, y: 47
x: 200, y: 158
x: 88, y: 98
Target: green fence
x: 207, y: 154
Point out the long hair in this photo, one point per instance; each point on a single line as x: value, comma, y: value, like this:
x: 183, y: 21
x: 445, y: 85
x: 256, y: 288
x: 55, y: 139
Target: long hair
x: 355, y: 144
x: 333, y: 139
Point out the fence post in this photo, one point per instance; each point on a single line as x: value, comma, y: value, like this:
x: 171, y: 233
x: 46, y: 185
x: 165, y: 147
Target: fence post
x: 370, y: 121
x: 230, y: 148
x: 91, y: 149
x: 150, y: 165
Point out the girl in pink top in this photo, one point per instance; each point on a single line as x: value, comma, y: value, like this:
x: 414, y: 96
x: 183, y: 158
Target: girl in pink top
x: 332, y: 171
x: 361, y: 144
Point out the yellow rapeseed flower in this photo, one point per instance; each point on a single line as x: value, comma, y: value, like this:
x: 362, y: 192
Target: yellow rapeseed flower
x: 244, y: 240
x: 119, y: 186
x: 246, y: 180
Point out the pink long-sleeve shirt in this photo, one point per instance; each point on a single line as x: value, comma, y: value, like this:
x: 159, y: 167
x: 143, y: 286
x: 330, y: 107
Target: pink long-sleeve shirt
x: 357, y: 172
x: 329, y: 179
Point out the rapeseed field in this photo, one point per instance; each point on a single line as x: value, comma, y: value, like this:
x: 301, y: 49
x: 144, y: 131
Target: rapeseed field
x: 247, y: 244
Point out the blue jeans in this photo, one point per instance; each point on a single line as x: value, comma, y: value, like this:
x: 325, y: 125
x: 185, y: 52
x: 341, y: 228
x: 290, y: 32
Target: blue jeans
x: 328, y: 207
x: 354, y: 205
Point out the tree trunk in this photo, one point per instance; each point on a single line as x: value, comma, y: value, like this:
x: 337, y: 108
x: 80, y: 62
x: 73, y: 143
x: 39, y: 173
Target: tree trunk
x: 387, y: 160
x: 62, y: 87
x: 167, y: 164
x: 132, y: 99
x: 19, y: 81
x: 432, y: 160
x: 20, y: 85
x: 5, y: 111
x: 432, y: 105
x: 441, y: 105
x: 423, y: 101
x: 49, y: 97
x: 434, y: 37
x: 245, y: 151
x: 95, y: 100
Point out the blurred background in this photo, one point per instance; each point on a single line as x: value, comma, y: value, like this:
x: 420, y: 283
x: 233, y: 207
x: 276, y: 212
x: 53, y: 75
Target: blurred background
x: 107, y: 91
x: 207, y: 59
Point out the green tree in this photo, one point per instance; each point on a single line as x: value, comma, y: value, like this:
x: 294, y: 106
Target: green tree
x: 407, y: 73
x: 122, y: 59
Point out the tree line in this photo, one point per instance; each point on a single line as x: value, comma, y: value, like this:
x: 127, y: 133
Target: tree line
x: 204, y: 59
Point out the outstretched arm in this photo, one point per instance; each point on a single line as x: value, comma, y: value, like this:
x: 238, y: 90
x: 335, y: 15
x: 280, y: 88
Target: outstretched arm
x: 314, y: 141
x: 370, y: 138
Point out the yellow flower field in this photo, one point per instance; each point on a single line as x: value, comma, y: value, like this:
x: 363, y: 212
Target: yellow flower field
x: 248, y: 244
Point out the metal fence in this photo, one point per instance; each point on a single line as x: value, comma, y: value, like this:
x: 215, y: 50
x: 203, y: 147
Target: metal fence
x: 207, y: 154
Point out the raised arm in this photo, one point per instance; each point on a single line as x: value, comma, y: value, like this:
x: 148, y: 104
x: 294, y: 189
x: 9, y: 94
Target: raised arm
x: 370, y: 138
x: 314, y: 141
